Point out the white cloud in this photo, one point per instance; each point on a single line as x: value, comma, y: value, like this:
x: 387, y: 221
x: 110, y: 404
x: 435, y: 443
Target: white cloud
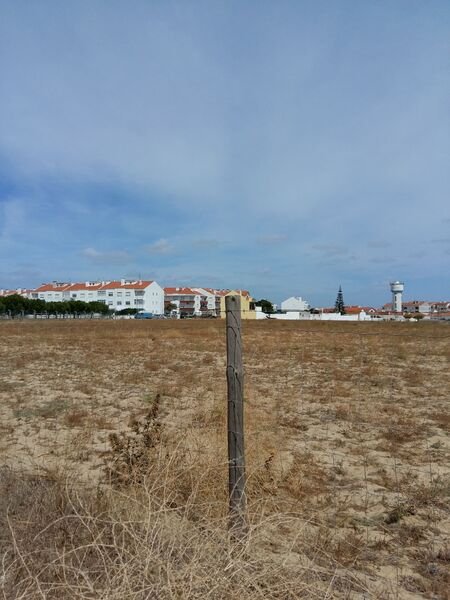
x: 13, y: 219
x: 108, y: 257
x: 176, y: 113
x: 162, y: 246
x: 205, y: 244
x: 285, y: 119
x: 331, y: 250
x: 270, y: 240
x: 377, y: 244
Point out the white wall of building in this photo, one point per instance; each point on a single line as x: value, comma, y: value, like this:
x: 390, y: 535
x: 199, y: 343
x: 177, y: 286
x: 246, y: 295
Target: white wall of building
x: 187, y: 300
x: 147, y: 299
x: 362, y: 316
x: 211, y: 303
x: 291, y: 315
x: 294, y: 303
x: 143, y: 296
x: 154, y: 299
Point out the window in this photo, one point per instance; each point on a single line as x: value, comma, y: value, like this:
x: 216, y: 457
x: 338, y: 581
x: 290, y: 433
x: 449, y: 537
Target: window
x: 110, y: 302
x: 90, y: 294
x: 119, y: 293
x: 102, y: 293
x: 139, y: 293
x: 127, y: 303
x: 127, y: 293
x: 119, y: 302
x: 74, y: 295
x: 110, y: 293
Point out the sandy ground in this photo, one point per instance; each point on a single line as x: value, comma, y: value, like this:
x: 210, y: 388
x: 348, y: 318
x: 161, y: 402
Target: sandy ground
x: 347, y: 425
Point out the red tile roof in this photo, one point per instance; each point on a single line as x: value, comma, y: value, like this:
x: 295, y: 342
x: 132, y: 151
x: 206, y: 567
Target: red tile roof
x: 8, y: 292
x: 19, y: 292
x: 107, y: 285
x: 51, y: 287
x: 351, y: 310
x: 180, y: 291
x: 244, y: 293
x: 225, y: 292
x: 82, y: 286
x: 135, y: 285
x: 216, y: 292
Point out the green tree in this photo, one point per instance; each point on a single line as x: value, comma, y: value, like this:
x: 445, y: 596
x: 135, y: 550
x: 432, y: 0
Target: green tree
x: 16, y: 305
x: 127, y: 311
x: 339, y: 306
x: 99, y: 307
x: 266, y: 305
x: 169, y: 307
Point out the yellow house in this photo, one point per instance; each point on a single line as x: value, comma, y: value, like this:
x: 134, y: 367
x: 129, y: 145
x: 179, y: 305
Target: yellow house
x: 247, y: 304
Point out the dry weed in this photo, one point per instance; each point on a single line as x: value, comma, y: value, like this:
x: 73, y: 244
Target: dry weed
x: 347, y: 453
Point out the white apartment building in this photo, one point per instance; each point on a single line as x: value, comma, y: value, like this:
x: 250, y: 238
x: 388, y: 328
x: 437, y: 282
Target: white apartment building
x: 146, y: 296
x: 51, y: 292
x: 212, y: 299
x: 194, y: 301
x: 188, y: 302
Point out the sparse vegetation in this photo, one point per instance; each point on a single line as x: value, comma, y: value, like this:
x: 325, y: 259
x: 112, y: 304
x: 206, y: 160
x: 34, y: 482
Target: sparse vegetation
x: 114, y: 452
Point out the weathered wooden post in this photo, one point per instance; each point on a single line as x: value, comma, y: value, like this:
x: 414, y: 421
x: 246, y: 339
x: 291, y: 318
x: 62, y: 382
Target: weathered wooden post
x: 235, y: 382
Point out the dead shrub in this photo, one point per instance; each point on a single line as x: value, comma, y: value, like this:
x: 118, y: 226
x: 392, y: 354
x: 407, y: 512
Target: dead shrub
x: 305, y: 478
x: 130, y: 455
x: 61, y: 541
x: 76, y: 418
x: 401, y: 430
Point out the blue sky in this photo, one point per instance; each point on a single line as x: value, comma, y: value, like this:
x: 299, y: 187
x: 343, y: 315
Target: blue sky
x: 284, y: 147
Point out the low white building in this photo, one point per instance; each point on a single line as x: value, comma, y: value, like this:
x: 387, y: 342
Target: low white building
x: 295, y: 303
x: 146, y: 296
x: 298, y: 315
x: 291, y: 315
x: 332, y: 316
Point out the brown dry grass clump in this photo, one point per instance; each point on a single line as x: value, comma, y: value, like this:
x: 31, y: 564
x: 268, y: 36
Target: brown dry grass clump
x: 61, y: 541
x: 347, y: 442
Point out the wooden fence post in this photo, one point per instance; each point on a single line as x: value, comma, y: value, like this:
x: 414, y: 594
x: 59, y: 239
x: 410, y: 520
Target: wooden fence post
x: 235, y: 383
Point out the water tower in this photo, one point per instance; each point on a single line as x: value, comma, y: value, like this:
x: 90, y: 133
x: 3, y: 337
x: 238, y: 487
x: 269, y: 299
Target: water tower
x: 397, y: 290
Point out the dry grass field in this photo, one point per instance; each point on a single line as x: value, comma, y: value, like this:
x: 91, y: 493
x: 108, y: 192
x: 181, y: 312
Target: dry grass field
x: 114, y: 476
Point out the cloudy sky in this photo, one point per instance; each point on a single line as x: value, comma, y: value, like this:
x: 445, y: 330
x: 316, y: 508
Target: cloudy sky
x: 284, y: 147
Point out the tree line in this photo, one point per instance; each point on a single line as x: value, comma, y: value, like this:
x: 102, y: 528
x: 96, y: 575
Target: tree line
x: 17, y: 305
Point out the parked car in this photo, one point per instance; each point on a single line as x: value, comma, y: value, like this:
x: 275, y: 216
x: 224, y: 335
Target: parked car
x: 144, y: 315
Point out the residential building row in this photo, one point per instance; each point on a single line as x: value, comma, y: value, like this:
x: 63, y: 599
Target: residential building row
x: 196, y: 302
x: 421, y: 307
x: 126, y: 293
x: 142, y: 295
x: 184, y: 302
